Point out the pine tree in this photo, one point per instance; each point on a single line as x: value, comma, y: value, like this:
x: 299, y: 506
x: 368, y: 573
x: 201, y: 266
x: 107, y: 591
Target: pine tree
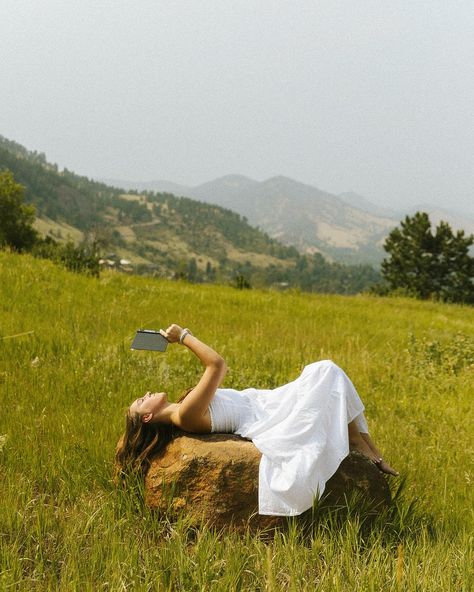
x: 428, y: 265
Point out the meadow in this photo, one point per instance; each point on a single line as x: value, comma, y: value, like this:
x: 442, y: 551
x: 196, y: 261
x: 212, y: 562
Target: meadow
x: 67, y: 375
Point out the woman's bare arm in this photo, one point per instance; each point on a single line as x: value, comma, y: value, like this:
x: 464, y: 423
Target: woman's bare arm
x: 191, y: 411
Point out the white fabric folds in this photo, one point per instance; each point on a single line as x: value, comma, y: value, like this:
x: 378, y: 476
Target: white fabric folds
x: 301, y: 430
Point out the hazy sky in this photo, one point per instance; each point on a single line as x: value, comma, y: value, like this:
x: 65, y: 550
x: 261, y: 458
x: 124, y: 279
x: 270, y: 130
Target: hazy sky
x: 371, y: 96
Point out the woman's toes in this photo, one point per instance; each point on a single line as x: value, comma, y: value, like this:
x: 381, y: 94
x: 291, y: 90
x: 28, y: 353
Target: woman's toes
x: 386, y: 468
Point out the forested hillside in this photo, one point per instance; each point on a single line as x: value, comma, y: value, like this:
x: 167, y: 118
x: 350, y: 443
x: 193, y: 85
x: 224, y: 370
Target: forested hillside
x: 349, y: 231
x: 169, y: 236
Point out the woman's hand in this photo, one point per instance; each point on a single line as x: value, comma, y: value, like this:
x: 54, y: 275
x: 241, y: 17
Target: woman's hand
x: 173, y: 333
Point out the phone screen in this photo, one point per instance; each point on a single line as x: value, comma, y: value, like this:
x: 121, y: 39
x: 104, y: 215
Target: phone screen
x: 150, y: 340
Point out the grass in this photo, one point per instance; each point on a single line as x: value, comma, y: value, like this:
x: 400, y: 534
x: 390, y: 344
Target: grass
x: 64, y: 389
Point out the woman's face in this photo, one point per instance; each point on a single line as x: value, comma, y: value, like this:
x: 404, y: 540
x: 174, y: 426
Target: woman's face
x: 150, y: 403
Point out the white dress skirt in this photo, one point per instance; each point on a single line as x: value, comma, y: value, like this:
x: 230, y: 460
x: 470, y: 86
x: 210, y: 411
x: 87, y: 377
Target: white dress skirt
x: 301, y: 430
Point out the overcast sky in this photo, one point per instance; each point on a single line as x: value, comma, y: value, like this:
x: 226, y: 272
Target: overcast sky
x: 371, y: 96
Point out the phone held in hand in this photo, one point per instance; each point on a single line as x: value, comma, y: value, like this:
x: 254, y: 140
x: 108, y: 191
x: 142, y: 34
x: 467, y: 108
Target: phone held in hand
x: 150, y: 340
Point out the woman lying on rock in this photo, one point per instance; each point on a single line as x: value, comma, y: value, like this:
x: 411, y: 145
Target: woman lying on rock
x: 303, y: 429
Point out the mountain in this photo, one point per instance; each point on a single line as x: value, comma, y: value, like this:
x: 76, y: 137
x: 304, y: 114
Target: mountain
x: 345, y: 227
x: 362, y: 203
x: 299, y: 214
x: 170, y: 236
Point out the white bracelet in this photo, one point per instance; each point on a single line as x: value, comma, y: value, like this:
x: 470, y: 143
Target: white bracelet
x: 184, y: 332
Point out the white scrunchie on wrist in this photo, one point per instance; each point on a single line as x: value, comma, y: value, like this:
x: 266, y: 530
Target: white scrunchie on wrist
x: 184, y: 332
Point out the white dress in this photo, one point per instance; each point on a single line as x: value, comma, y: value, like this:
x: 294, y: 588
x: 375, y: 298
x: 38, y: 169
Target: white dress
x: 301, y: 430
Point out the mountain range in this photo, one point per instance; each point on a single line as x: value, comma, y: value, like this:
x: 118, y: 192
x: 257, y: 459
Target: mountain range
x: 345, y: 227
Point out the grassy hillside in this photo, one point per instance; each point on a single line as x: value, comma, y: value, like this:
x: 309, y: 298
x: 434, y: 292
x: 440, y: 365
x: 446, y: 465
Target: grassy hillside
x: 169, y: 236
x: 67, y: 374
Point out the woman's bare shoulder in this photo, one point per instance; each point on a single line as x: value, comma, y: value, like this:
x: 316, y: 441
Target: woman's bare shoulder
x: 196, y: 424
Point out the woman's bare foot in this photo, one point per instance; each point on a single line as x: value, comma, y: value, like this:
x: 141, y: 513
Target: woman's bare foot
x: 386, y: 468
x: 360, y: 445
x: 381, y: 464
x: 361, y: 442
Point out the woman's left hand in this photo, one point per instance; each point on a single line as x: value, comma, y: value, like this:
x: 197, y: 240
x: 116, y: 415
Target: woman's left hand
x: 172, y: 333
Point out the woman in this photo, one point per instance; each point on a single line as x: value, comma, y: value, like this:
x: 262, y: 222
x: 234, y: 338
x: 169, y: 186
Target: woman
x: 303, y: 429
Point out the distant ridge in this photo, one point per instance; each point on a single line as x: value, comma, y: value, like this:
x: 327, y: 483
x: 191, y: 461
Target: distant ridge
x: 345, y: 227
x: 359, y: 201
x: 165, y: 186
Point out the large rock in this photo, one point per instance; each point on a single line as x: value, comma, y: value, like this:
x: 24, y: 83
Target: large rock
x: 215, y: 478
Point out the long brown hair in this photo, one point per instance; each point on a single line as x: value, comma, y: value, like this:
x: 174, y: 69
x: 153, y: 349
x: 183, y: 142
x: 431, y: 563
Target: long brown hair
x: 140, y: 443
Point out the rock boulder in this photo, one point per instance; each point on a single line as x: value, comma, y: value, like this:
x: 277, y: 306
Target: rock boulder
x: 215, y: 478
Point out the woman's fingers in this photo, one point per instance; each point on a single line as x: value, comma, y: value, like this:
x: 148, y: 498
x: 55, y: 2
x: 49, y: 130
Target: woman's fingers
x: 172, y: 333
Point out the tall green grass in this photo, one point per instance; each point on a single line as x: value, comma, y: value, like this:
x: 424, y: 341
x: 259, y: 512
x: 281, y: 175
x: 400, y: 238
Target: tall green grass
x: 65, y: 386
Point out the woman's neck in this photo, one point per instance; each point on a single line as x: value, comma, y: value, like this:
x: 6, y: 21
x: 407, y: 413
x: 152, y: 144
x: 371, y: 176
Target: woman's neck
x: 166, y: 414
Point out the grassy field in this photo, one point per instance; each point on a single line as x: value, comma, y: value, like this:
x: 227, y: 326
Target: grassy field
x: 66, y: 382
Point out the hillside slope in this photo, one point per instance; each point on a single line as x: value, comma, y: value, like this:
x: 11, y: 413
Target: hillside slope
x: 297, y: 214
x: 158, y: 229
x: 169, y: 236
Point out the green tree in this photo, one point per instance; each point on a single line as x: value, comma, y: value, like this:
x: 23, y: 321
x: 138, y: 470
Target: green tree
x: 429, y: 265
x: 210, y: 272
x: 192, y: 270
x: 240, y: 282
x: 16, y: 218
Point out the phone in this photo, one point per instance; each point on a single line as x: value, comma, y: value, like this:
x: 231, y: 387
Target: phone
x: 150, y: 340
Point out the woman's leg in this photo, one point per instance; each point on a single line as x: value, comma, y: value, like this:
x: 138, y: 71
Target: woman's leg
x: 363, y: 443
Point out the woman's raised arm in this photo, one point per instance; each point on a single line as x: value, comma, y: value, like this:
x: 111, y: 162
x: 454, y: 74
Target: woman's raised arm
x: 194, y: 406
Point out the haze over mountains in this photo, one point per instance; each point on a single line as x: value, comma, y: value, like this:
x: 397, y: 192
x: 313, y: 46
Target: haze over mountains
x: 345, y: 227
